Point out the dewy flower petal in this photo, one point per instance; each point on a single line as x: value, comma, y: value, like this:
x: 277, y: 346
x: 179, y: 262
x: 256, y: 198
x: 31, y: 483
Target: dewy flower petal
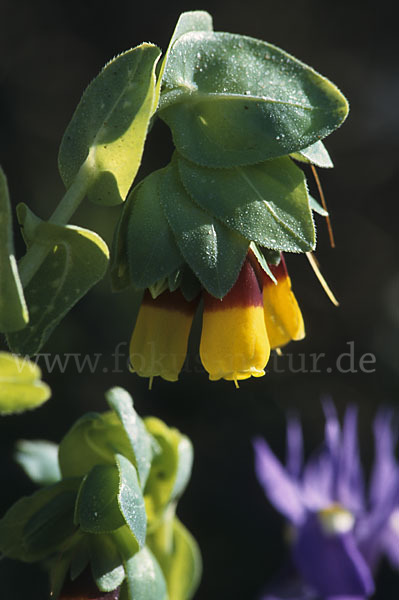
x: 159, y: 341
x: 234, y: 343
x: 283, y: 317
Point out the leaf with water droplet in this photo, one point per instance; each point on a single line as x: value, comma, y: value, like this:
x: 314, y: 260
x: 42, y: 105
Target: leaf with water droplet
x: 267, y: 202
x: 216, y: 122
x: 195, y: 20
x: 213, y: 251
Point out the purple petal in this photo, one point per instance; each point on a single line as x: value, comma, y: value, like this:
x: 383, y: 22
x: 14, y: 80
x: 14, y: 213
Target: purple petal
x: 390, y: 540
x: 331, y: 564
x: 318, y: 481
x: 281, y: 490
x: 385, y: 466
x: 294, y: 446
x: 350, y: 482
x: 332, y: 432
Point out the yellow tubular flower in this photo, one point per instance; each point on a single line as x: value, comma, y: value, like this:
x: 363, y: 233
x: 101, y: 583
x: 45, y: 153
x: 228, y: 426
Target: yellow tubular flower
x: 159, y: 341
x: 234, y: 343
x: 283, y: 317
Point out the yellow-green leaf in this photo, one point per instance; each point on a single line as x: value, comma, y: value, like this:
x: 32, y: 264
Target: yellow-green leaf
x: 77, y: 259
x: 105, y: 138
x: 20, y: 385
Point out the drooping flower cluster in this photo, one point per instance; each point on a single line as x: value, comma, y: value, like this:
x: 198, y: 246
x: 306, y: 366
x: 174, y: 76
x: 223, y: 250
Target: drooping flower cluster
x: 339, y: 532
x: 238, y: 331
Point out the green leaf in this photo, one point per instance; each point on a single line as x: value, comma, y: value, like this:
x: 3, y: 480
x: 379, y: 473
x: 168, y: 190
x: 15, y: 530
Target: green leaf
x: 76, y: 454
x: 121, y: 402
x: 51, y: 525
x: 97, y: 508
x: 106, y: 563
x: 80, y: 557
x: 316, y: 154
x: 185, y: 457
x: 28, y: 222
x: 314, y: 205
x: 181, y: 563
x: 267, y: 202
x: 13, y: 311
x: 152, y: 250
x: 19, y: 526
x: 144, y: 578
x: 125, y: 542
x: 20, y: 385
x: 195, y: 20
x: 131, y: 500
x: 76, y: 261
x: 170, y: 469
x: 94, y: 439
x: 190, y: 286
x: 105, y: 139
x: 232, y: 100
x: 214, y: 252
x: 119, y: 266
x: 57, y: 573
x: 39, y: 460
x: 262, y: 261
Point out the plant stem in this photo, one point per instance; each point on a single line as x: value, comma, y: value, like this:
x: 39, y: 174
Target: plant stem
x: 30, y: 263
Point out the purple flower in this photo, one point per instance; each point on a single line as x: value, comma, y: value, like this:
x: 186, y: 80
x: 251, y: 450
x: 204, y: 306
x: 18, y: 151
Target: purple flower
x: 339, y: 531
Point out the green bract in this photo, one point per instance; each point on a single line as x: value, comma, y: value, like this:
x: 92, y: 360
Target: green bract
x: 113, y: 507
x: 233, y: 100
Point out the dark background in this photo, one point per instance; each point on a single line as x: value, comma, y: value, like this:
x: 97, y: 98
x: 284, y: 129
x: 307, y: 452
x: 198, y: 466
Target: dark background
x: 49, y: 51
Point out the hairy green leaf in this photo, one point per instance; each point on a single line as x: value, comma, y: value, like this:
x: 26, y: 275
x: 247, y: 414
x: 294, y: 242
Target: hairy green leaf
x: 131, y: 500
x: 315, y: 154
x: 144, y: 578
x: 314, y: 205
x: 97, y: 509
x: 77, y: 260
x: 20, y: 385
x: 214, y: 252
x: 105, y: 139
x: 106, y: 562
x: 94, y: 439
x: 266, y: 203
x: 195, y: 20
x: 140, y: 440
x: 151, y: 248
x: 24, y: 520
x: 13, y: 311
x: 233, y: 100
